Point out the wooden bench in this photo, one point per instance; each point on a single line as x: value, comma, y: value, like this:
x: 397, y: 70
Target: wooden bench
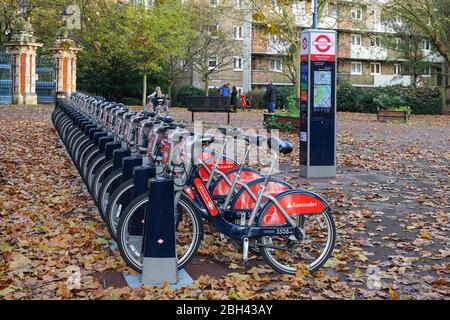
x: 210, y: 104
x: 384, y: 116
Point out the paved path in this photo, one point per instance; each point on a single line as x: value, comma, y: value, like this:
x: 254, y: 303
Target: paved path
x: 390, y: 203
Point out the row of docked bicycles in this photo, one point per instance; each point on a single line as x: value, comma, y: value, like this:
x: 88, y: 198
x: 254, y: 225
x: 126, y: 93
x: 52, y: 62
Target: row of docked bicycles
x: 260, y: 215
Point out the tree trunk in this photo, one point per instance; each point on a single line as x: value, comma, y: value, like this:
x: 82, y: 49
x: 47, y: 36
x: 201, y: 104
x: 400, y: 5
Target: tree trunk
x: 169, y: 92
x: 206, y: 86
x: 413, y: 80
x: 446, y: 106
x: 297, y: 77
x: 144, y: 89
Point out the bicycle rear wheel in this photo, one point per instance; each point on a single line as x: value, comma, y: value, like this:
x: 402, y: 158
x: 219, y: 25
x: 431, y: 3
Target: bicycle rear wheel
x: 111, y: 182
x: 117, y: 202
x: 284, y: 253
x: 189, y: 231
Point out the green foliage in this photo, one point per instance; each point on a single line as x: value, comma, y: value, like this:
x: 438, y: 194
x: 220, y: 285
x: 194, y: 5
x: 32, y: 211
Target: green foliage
x: 292, y: 107
x: 212, y: 91
x: 354, y: 99
x: 389, y: 101
x: 187, y: 91
x: 357, y: 99
x: 131, y: 101
x: 256, y: 98
x: 406, y: 109
x: 284, y: 93
x: 272, y: 123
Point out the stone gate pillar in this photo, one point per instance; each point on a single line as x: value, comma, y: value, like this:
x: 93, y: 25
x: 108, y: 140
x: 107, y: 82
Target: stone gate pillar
x: 65, y: 53
x: 23, y: 48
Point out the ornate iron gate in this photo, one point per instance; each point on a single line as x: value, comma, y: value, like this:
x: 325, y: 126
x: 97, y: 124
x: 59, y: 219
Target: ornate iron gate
x: 46, y: 79
x: 6, y: 79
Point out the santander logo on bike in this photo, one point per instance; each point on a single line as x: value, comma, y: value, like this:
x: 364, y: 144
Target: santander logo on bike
x: 302, y: 205
x: 205, y: 197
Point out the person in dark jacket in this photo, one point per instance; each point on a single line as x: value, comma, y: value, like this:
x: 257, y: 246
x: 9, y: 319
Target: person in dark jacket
x: 233, y: 99
x: 271, y: 96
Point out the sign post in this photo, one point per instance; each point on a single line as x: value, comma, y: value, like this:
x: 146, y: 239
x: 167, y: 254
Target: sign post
x: 318, y: 103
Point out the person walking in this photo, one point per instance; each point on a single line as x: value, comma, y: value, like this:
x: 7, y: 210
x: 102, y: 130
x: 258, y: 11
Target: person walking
x: 225, y: 90
x: 271, y: 96
x: 233, y: 99
x: 153, y: 99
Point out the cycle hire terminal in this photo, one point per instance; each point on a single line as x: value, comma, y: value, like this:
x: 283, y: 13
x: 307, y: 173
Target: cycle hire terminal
x: 318, y: 103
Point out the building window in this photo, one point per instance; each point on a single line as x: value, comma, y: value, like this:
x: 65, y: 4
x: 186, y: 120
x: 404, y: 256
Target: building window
x: 356, y: 39
x: 398, y: 42
x: 276, y: 7
x: 375, y: 42
x: 214, y: 31
x: 375, y: 68
x: 356, y: 68
x: 397, y: 68
x: 183, y: 65
x: 212, y: 62
x: 214, y: 3
x: 238, y: 32
x: 299, y: 8
x: 333, y: 10
x: 356, y: 13
x: 273, y: 38
x: 426, y: 72
x: 237, y: 63
x: 425, y: 45
x: 276, y: 65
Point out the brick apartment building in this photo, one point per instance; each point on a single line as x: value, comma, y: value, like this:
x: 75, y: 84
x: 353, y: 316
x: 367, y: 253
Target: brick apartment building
x: 363, y: 60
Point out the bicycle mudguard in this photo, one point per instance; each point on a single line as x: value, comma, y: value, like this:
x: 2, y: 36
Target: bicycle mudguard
x: 224, y: 165
x: 293, y: 202
x: 221, y: 188
x: 243, y: 200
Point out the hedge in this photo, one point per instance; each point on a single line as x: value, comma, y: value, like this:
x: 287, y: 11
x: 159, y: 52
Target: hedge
x: 131, y: 101
x: 424, y: 100
x: 358, y: 99
x: 187, y: 91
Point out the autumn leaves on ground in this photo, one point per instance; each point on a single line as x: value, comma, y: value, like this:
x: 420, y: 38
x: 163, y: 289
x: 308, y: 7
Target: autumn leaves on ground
x: 390, y: 203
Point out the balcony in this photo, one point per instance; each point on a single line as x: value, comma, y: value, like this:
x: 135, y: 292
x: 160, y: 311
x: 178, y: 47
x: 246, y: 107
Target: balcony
x: 261, y: 77
x: 364, y: 80
x: 269, y: 48
x: 368, y: 53
x: 377, y: 80
x: 381, y: 80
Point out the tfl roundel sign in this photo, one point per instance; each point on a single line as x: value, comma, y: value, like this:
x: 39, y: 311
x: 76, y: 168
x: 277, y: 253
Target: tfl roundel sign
x: 318, y: 45
x: 305, y: 43
x: 323, y: 43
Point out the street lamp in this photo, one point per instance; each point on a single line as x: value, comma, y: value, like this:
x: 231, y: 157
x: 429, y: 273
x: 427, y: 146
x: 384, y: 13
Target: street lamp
x: 314, y: 26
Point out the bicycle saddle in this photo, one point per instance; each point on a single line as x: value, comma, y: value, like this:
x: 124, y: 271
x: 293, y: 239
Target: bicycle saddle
x: 283, y: 146
x: 177, y: 125
x: 207, y: 139
x: 148, y: 113
x: 231, y: 132
x: 167, y: 119
x: 254, y: 139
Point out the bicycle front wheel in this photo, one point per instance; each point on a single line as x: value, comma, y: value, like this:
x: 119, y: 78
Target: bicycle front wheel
x: 285, y: 252
x: 189, y: 231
